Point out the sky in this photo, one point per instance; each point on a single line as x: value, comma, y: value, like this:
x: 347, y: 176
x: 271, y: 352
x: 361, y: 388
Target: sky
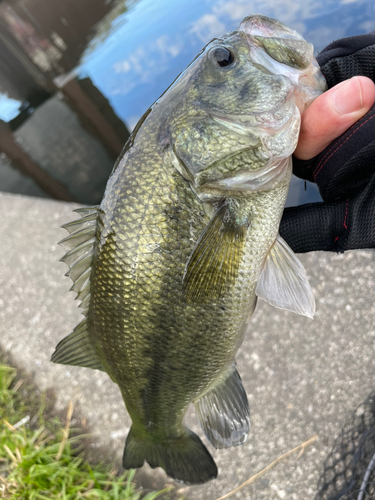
x: 153, y: 42
x: 148, y: 45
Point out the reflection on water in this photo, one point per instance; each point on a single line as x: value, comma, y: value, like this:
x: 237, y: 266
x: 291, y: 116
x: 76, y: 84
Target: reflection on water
x: 9, y: 108
x: 75, y: 77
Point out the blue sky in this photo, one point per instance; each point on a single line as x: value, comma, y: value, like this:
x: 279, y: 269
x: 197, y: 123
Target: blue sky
x: 154, y: 41
x: 150, y: 44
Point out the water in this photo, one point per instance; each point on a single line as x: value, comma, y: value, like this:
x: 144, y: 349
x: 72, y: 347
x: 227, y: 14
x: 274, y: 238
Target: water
x: 123, y: 55
x: 147, y: 47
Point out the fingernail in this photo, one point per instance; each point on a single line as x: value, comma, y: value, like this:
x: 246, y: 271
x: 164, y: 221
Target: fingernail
x: 347, y: 97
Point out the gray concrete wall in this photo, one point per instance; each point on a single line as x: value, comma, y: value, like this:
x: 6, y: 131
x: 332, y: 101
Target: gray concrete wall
x: 12, y: 181
x: 302, y: 377
x: 55, y: 139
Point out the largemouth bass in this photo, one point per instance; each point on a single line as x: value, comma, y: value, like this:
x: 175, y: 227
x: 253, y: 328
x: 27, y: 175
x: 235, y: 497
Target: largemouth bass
x: 169, y: 266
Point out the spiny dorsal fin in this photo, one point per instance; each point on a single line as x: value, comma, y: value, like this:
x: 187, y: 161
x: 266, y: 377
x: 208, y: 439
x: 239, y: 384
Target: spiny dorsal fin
x: 80, y: 245
x: 77, y: 349
x: 223, y: 412
x: 214, y: 263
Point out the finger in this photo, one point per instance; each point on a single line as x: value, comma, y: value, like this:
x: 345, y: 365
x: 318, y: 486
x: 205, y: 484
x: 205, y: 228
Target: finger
x: 332, y: 113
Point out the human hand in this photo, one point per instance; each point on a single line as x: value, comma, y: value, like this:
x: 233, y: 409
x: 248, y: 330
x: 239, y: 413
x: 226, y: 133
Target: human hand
x: 336, y: 149
x: 332, y: 113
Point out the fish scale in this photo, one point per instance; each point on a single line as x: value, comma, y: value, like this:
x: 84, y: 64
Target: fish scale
x: 197, y: 324
x: 170, y: 265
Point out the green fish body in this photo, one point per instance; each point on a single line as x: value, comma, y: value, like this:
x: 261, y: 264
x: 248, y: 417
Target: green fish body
x: 169, y: 266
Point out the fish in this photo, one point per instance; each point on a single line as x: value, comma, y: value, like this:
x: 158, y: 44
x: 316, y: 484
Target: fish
x: 169, y: 266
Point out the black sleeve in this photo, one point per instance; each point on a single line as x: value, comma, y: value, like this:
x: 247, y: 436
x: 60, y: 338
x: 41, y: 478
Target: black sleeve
x: 348, y: 57
x: 337, y: 226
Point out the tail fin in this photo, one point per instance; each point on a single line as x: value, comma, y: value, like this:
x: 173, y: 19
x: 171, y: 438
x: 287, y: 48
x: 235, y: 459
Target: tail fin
x: 185, y: 459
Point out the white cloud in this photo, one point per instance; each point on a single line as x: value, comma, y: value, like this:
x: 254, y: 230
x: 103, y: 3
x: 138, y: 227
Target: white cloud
x: 144, y: 64
x: 290, y: 12
x: 236, y: 10
x: 133, y: 63
x: 164, y: 45
x: 148, y: 61
x: 123, y: 89
x: 367, y: 25
x: 122, y: 67
x: 207, y: 27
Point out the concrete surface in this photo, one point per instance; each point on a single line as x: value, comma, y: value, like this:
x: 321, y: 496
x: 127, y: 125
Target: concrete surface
x: 13, y: 181
x: 302, y: 377
x: 56, y: 140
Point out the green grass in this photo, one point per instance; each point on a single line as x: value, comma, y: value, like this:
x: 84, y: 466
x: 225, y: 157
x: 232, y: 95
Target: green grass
x: 39, y: 459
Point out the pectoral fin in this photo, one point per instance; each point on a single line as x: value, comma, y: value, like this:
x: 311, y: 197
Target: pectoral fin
x: 223, y: 412
x: 214, y: 263
x: 283, y: 282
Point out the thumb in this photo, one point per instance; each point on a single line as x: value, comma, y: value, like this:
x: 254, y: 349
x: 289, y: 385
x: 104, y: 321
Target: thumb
x: 332, y: 113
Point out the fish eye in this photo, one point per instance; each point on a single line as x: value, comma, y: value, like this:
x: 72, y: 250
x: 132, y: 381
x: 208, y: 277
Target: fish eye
x: 223, y: 56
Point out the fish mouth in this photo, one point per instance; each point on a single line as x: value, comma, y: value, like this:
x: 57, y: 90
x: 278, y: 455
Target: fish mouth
x: 269, y: 41
x: 262, y: 179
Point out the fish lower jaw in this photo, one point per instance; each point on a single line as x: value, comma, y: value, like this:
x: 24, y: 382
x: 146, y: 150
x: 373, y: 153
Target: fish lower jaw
x: 247, y: 182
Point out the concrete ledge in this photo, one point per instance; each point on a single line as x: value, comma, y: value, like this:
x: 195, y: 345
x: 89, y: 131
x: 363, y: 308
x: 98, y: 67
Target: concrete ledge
x: 302, y: 377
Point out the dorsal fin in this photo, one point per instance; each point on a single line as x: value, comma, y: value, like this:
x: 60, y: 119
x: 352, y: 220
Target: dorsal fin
x: 76, y: 348
x: 80, y: 249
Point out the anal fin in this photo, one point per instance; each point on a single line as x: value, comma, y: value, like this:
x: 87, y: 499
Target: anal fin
x: 223, y: 412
